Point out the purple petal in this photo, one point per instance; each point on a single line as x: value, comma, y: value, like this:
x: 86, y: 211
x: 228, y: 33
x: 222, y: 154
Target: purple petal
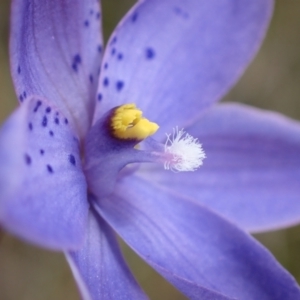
x: 174, y: 59
x: 43, y: 189
x: 192, y: 243
x: 55, y: 49
x: 252, y: 171
x: 192, y: 290
x: 99, y: 267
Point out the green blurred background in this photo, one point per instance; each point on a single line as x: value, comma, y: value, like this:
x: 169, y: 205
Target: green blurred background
x: 272, y: 82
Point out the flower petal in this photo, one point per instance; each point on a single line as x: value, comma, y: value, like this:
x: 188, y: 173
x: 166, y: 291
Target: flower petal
x: 252, y: 171
x: 55, y: 49
x: 99, y: 267
x: 43, y: 189
x: 174, y: 59
x: 192, y: 243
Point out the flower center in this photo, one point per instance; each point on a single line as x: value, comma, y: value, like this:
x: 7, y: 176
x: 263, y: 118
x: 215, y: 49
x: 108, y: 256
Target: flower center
x: 127, y: 123
x: 111, y: 144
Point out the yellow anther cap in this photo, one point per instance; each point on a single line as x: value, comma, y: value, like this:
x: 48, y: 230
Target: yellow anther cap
x: 127, y: 123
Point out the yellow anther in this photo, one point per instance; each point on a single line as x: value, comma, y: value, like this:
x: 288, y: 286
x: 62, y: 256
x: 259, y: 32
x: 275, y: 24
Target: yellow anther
x: 127, y: 123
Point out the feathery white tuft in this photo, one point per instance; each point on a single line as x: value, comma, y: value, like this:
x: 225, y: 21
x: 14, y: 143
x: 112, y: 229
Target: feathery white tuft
x: 186, y: 153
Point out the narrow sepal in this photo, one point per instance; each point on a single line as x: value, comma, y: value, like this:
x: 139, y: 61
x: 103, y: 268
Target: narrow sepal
x: 99, y: 268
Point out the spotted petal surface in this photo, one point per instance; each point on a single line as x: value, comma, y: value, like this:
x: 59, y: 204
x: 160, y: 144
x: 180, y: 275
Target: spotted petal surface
x: 200, y: 253
x: 99, y: 267
x: 252, y: 171
x: 55, y: 50
x: 173, y: 59
x: 43, y: 189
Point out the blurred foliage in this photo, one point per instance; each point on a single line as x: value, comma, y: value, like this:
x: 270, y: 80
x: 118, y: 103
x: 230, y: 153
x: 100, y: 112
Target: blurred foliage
x: 271, y: 82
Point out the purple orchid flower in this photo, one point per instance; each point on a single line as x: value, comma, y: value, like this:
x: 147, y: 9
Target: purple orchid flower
x: 70, y: 177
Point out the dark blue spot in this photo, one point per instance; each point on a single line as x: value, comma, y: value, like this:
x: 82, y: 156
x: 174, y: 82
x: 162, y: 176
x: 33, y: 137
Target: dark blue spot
x: 97, y: 15
x: 66, y: 121
x: 56, y: 120
x: 86, y: 23
x: 21, y: 98
x: 120, y: 56
x: 99, y: 97
x: 177, y: 10
x: 134, y: 17
x: 19, y: 69
x: 38, y: 104
x: 105, y: 65
x: 150, y: 53
x: 45, y: 121
x: 49, y: 168
x: 27, y: 159
x: 106, y: 81
x: 76, y: 62
x: 51, y: 133
x: 77, y: 59
x: 113, y: 41
x: 91, y: 78
x: 48, y: 110
x: 42, y: 152
x: 180, y: 12
x: 99, y: 48
x: 119, y: 85
x: 24, y: 95
x: 113, y: 51
x: 30, y: 126
x: 72, y: 159
x: 91, y: 12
